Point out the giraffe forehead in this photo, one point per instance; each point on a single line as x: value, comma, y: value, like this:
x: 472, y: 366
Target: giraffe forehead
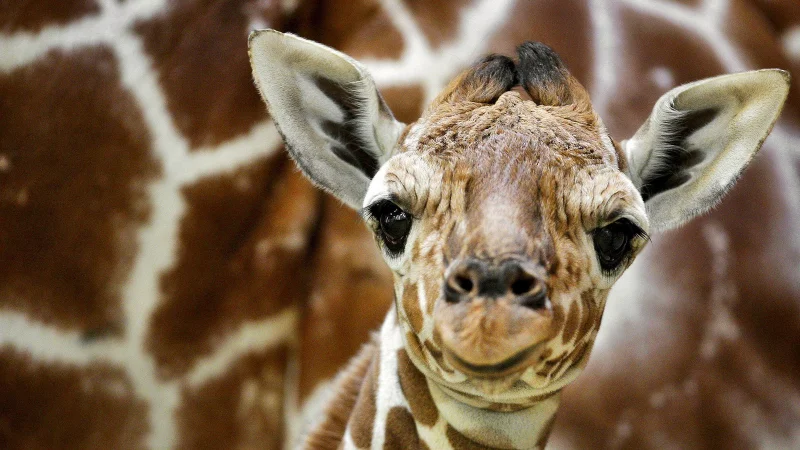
x: 508, y: 182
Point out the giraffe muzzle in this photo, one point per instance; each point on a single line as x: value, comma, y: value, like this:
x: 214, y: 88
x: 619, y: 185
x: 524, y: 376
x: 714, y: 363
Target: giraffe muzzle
x: 492, y: 316
x: 516, y: 280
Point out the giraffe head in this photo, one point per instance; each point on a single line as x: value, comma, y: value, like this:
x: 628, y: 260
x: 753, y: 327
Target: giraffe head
x: 507, y: 212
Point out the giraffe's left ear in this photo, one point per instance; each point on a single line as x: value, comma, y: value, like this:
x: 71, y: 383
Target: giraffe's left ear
x: 335, y: 124
x: 698, y: 140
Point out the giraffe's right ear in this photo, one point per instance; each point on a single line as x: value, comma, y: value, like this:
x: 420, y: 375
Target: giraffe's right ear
x: 335, y: 123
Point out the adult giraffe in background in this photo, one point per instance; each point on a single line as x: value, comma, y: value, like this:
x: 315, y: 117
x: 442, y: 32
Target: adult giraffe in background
x: 154, y: 240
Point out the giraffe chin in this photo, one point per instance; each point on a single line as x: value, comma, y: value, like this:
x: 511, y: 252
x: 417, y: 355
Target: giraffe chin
x: 511, y: 366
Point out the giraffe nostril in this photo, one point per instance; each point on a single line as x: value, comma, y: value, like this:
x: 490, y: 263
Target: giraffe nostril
x: 464, y: 283
x: 522, y: 286
x: 535, y: 298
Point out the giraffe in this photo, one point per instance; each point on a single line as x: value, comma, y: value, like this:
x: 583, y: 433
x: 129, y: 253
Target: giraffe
x: 142, y: 240
x: 505, y: 213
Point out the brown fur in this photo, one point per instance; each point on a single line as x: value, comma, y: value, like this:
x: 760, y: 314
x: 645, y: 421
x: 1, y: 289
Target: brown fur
x: 71, y: 200
x: 415, y: 389
x: 361, y: 369
x: 401, y: 433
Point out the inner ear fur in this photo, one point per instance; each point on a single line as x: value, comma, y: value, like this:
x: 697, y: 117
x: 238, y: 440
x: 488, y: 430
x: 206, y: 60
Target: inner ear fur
x: 698, y: 140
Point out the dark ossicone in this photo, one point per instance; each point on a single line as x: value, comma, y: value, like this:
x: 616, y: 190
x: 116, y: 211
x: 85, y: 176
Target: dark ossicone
x: 543, y: 75
x: 490, y: 78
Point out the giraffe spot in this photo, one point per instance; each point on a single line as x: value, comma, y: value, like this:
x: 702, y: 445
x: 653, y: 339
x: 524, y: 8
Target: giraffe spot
x: 200, y: 55
x: 558, y: 319
x: 45, y: 405
x: 579, y: 353
x: 411, y: 307
x: 355, y: 390
x: 331, y: 22
x: 590, y: 317
x: 571, y: 324
x: 218, y: 280
x: 73, y: 193
x: 415, y: 390
x: 401, y: 432
x: 363, y: 419
x: 241, y: 408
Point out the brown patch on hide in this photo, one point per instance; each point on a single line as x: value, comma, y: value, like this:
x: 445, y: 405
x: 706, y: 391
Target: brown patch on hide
x: 461, y: 442
x: 354, y: 403
x: 351, y: 294
x: 437, y: 20
x: 589, y: 316
x: 332, y: 23
x: 46, y: 405
x: 72, y: 189
x: 781, y: 14
x: 571, y: 325
x: 648, y: 43
x: 564, y: 26
x: 412, y: 308
x: 240, y: 408
x: 33, y: 15
x: 406, y: 102
x: 362, y: 421
x: 415, y: 390
x: 241, y: 257
x: 199, y: 50
x: 753, y: 33
x: 401, y: 432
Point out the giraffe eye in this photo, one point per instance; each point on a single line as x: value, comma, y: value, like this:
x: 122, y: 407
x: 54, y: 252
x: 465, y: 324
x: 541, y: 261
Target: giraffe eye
x: 613, y: 243
x: 394, y: 225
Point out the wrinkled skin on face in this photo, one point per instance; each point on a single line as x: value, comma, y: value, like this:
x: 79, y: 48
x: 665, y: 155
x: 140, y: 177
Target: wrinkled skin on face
x: 508, y: 181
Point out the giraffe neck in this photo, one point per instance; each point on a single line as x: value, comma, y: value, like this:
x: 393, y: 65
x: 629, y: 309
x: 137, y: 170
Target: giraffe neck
x: 389, y: 403
x: 526, y: 428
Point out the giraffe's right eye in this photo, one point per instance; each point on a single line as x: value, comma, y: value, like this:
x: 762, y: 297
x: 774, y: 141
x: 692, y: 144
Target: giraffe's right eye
x: 394, y: 224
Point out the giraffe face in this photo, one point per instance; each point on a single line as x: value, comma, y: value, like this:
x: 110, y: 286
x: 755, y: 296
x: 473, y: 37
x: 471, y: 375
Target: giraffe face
x: 505, y: 225
x: 506, y: 212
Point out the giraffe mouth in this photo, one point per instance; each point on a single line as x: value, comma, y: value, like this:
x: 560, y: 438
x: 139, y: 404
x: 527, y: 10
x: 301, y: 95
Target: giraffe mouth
x: 514, y: 363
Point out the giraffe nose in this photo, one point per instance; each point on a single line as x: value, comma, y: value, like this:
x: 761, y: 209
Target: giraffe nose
x: 475, y: 278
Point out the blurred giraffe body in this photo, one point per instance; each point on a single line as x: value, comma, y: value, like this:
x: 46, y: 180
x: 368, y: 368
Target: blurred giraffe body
x: 170, y: 279
x: 506, y: 213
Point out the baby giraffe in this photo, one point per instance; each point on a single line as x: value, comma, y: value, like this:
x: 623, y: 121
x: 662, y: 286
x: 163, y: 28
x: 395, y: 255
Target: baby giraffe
x: 506, y: 213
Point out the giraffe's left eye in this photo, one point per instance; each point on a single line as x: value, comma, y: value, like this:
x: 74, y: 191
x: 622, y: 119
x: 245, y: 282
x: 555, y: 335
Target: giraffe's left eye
x: 613, y: 243
x: 394, y: 225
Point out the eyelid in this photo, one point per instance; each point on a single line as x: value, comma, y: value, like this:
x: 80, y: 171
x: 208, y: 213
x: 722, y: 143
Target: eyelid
x: 368, y: 212
x: 618, y: 215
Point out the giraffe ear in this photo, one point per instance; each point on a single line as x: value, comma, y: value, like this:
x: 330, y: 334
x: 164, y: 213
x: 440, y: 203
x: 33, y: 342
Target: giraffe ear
x: 698, y: 140
x: 336, y: 125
